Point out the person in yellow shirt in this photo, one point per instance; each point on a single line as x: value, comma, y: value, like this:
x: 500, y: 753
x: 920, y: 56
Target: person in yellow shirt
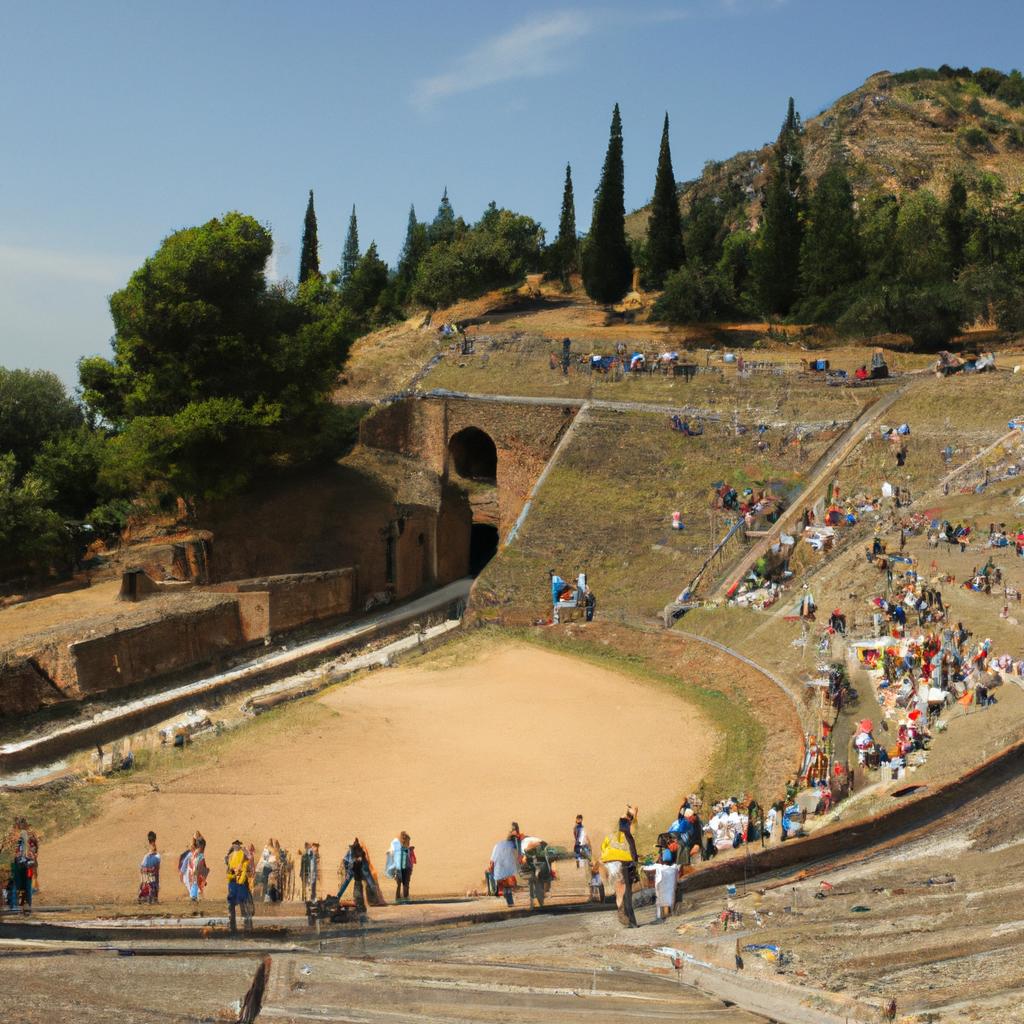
x: 239, y: 880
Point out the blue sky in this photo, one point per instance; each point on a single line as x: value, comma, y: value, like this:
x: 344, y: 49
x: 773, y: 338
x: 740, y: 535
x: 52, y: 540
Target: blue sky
x: 125, y: 120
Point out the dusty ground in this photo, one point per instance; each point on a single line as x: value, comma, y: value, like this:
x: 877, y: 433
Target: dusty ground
x: 450, y: 751
x: 940, y: 930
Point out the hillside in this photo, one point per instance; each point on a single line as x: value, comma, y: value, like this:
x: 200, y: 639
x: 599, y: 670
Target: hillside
x: 898, y: 132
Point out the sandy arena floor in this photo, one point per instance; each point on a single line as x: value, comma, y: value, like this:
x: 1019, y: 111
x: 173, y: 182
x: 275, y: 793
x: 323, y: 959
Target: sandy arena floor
x: 450, y: 751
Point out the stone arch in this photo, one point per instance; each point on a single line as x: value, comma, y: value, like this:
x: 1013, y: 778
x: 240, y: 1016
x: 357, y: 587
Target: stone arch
x: 474, y: 455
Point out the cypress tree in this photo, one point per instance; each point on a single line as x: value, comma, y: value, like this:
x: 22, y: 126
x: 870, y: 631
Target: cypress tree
x: 954, y: 219
x: 309, y: 261
x: 350, y: 253
x: 831, y: 257
x: 607, y: 263
x: 665, y: 227
x: 416, y: 244
x: 777, y: 257
x: 443, y: 227
x: 565, y: 251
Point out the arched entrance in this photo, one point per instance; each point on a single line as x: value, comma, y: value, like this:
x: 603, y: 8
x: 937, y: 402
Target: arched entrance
x: 483, y: 546
x: 474, y: 455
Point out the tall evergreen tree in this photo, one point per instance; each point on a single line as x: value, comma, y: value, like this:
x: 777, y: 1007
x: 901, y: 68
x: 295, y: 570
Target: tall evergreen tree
x: 565, y: 251
x: 777, y: 257
x: 831, y: 257
x: 954, y: 219
x: 443, y: 227
x: 665, y: 227
x: 416, y: 244
x: 309, y: 261
x: 607, y: 262
x: 350, y: 253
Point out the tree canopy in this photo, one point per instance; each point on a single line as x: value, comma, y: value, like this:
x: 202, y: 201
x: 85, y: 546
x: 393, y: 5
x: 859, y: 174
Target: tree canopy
x: 213, y: 372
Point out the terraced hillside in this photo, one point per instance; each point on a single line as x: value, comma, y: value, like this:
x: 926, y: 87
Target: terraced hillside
x: 899, y: 132
x: 607, y: 507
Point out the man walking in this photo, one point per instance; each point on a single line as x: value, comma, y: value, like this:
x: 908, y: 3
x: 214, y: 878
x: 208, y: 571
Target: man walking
x: 239, y: 893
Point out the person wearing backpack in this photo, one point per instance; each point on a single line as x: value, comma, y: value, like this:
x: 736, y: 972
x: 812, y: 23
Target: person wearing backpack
x: 618, y: 854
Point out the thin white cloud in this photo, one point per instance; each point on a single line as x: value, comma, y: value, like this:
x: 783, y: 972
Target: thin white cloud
x: 537, y: 47
x: 87, y: 268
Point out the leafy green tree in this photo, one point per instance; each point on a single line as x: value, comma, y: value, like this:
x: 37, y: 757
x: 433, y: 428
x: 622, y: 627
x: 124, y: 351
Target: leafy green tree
x: 309, y: 260
x: 34, y: 408
x: 878, y: 214
x: 365, y: 285
x: 416, y: 245
x: 206, y: 450
x: 954, y: 221
x: 32, y: 535
x: 1011, y: 89
x: 735, y: 267
x: 830, y: 257
x: 922, y: 247
x: 350, y: 253
x: 68, y: 466
x: 564, y: 253
x: 777, y: 257
x: 214, y: 374
x: 499, y: 250
x: 665, y: 227
x: 607, y: 263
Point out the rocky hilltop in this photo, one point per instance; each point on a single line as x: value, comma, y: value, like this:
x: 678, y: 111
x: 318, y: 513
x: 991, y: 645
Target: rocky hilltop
x: 898, y: 131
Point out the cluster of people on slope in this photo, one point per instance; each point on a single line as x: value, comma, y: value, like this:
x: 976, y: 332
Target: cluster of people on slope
x: 565, y: 596
x: 21, y: 844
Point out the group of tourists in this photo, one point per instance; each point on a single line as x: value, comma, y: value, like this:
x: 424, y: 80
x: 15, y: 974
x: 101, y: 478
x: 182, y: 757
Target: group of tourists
x: 269, y: 877
x: 21, y: 844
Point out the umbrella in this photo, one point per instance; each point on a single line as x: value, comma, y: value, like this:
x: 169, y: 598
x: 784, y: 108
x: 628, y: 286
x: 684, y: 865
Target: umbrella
x: 914, y: 715
x: 866, y: 725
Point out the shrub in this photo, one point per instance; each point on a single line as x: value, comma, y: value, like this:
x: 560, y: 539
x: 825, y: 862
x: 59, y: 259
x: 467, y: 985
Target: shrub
x: 692, y: 295
x: 973, y: 138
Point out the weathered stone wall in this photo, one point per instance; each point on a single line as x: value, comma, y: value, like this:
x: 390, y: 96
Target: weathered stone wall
x: 144, y: 653
x: 24, y: 688
x: 525, y: 435
x: 271, y: 605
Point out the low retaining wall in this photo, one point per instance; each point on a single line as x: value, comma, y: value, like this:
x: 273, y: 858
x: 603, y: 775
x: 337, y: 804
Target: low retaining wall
x: 132, y: 656
x: 270, y: 605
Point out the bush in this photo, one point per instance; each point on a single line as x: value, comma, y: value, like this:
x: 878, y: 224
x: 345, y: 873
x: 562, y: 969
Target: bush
x: 973, y: 138
x: 931, y: 314
x: 692, y: 295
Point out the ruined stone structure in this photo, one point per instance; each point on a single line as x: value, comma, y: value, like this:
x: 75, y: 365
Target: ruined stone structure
x: 490, y: 451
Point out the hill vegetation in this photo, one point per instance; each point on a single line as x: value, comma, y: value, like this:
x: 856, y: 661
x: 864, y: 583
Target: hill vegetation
x: 897, y: 209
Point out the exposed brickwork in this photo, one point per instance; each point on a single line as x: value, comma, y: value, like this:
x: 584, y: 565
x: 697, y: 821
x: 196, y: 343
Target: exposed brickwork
x: 525, y: 435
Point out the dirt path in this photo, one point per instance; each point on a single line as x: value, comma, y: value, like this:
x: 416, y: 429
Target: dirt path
x: 451, y: 753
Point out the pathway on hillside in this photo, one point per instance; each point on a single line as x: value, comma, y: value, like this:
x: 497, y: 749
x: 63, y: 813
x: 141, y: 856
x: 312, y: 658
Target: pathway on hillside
x: 819, y: 476
x: 579, y: 403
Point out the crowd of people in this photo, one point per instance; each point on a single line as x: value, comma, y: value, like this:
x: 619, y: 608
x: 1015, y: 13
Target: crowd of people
x: 270, y: 877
